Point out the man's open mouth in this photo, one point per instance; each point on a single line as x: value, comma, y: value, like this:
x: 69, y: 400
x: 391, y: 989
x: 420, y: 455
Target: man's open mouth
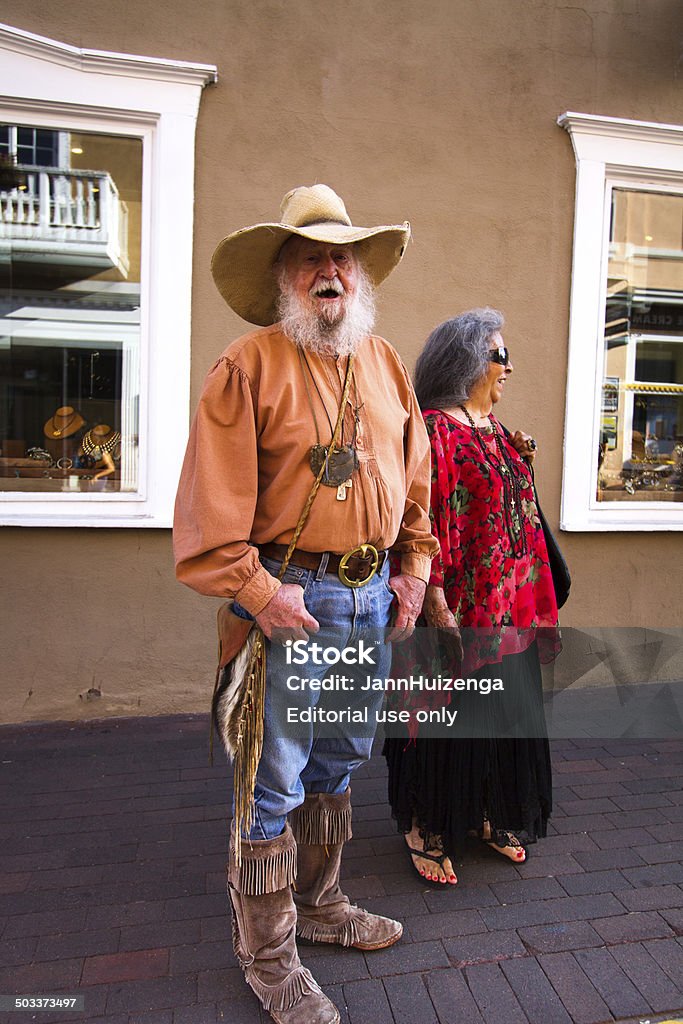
x: 333, y: 290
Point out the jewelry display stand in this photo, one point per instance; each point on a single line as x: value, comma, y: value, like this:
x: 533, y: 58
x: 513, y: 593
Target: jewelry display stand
x: 68, y: 455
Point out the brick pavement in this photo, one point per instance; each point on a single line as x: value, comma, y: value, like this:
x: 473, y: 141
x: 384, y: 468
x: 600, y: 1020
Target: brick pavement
x: 113, y: 843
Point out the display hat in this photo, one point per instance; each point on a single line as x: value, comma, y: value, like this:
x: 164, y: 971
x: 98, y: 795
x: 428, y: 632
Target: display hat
x: 242, y: 265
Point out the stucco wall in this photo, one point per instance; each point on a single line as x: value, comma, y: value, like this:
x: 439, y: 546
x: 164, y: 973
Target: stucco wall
x: 442, y: 113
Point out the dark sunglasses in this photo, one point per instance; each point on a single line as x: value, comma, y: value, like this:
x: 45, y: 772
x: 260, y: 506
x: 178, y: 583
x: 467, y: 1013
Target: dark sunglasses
x: 499, y: 355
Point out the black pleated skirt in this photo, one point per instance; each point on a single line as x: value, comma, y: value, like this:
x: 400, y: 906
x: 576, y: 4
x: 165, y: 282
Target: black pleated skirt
x: 449, y: 786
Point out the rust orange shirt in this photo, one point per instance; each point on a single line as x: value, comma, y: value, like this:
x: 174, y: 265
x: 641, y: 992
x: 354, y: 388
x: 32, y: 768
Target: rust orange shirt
x: 246, y: 474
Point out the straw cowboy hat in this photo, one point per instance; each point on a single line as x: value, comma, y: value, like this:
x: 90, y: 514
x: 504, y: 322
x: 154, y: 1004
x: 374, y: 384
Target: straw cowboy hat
x: 242, y: 265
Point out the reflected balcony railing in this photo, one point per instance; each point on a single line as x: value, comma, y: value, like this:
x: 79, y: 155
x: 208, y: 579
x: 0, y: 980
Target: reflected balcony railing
x: 60, y: 216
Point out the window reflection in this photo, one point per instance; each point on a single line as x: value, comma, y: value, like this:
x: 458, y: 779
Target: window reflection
x: 641, y: 430
x: 70, y: 221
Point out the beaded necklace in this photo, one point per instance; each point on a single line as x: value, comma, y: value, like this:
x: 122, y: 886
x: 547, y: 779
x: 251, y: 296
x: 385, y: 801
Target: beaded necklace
x: 91, y: 445
x: 510, y: 475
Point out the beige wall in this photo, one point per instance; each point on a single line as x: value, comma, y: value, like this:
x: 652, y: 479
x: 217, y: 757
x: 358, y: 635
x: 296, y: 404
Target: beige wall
x: 442, y: 113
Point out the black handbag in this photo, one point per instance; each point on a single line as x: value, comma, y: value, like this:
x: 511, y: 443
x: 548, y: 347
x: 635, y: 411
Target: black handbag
x: 559, y: 569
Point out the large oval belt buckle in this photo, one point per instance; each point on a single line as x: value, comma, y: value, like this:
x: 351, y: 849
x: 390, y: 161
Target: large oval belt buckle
x: 369, y: 554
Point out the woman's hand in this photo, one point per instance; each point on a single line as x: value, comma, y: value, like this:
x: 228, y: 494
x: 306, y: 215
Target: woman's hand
x: 524, y: 444
x: 438, y: 615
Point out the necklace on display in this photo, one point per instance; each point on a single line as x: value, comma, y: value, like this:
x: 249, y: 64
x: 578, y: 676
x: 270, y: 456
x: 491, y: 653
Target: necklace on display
x: 510, y: 476
x: 92, y: 442
x: 57, y: 431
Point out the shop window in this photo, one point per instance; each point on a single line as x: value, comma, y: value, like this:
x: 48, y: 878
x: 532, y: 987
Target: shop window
x: 96, y: 200
x: 641, y: 427
x: 70, y: 301
x: 623, y: 465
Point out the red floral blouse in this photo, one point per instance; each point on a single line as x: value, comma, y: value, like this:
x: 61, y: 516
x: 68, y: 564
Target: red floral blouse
x: 507, y: 599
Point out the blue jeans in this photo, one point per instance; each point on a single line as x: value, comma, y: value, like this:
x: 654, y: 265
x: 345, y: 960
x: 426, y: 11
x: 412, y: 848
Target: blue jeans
x: 307, y: 758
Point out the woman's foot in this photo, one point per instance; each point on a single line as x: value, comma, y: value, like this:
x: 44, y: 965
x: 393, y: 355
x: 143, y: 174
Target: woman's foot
x: 503, y: 842
x: 432, y: 863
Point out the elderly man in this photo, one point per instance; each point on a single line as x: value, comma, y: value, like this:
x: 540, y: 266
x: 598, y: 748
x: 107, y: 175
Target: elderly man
x: 261, y: 435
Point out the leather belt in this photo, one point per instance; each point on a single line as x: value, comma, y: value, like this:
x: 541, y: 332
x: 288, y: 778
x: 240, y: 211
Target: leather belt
x: 355, y: 568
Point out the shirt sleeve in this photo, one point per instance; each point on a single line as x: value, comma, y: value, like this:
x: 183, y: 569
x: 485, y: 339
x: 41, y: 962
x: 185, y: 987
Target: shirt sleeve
x: 217, y: 494
x: 415, y: 542
x: 444, y: 473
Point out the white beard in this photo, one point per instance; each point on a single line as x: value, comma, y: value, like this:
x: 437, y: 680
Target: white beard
x: 313, y: 331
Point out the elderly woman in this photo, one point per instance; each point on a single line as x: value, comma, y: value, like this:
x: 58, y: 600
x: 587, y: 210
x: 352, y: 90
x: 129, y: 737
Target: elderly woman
x: 491, y: 591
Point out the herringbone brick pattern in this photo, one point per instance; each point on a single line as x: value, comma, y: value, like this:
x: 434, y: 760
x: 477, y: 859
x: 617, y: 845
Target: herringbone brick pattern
x: 113, y: 843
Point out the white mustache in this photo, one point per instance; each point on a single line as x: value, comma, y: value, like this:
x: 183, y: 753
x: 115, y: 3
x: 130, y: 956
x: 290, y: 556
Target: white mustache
x: 325, y: 286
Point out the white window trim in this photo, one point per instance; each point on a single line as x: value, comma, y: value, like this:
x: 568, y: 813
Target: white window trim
x: 46, y: 82
x: 609, y: 150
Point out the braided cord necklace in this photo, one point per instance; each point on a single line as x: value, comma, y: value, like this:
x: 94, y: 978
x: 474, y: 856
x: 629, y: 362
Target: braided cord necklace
x: 510, y: 476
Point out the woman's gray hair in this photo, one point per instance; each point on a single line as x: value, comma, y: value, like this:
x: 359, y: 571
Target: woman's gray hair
x: 455, y: 357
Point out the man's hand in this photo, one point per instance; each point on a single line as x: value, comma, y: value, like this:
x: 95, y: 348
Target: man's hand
x: 438, y: 614
x: 410, y: 592
x: 525, y: 444
x: 285, y: 616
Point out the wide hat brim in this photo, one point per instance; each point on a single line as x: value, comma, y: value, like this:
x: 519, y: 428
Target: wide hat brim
x: 242, y: 265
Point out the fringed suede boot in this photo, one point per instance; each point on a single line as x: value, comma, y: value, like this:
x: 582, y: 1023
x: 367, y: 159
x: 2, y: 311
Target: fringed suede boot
x: 264, y: 933
x: 321, y: 826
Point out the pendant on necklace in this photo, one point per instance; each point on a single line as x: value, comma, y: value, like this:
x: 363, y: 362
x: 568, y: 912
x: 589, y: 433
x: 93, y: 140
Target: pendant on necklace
x: 341, y: 490
x: 339, y: 464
